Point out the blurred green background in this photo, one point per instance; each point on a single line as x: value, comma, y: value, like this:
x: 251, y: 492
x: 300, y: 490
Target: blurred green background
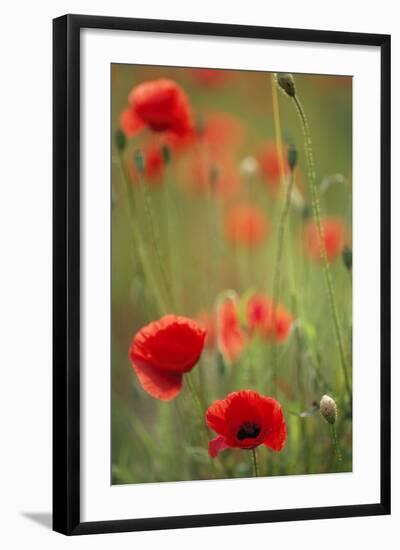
x: 156, y: 441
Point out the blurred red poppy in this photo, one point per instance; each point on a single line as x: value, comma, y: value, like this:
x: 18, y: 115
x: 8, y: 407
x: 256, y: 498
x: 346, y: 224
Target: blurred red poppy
x: 163, y: 351
x: 130, y: 123
x: 162, y: 105
x: 245, y: 420
x: 259, y: 312
x: 334, y: 233
x: 222, y: 131
x: 268, y: 160
x: 211, y: 78
x: 246, y: 225
x: 230, y: 337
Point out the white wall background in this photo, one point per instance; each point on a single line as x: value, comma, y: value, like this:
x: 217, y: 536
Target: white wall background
x: 25, y: 272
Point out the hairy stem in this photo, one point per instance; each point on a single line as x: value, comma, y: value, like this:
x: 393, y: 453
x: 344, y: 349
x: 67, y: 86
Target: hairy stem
x: 317, y: 217
x: 138, y: 242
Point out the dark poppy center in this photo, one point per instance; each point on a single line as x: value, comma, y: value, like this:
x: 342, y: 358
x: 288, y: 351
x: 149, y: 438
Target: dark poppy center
x: 248, y: 430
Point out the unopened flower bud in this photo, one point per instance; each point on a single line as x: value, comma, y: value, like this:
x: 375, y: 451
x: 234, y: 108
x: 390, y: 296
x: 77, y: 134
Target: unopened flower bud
x: 347, y: 256
x: 286, y: 83
x: 327, y: 408
x: 166, y: 153
x: 138, y: 158
x: 120, y: 140
x: 214, y: 175
x: 292, y: 157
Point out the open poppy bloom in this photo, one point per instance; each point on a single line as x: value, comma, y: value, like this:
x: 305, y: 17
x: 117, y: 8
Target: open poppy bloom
x: 230, y: 337
x: 163, y: 351
x: 261, y: 317
x: 245, y: 420
x: 162, y: 105
x: 268, y: 160
x: 246, y: 225
x: 334, y: 233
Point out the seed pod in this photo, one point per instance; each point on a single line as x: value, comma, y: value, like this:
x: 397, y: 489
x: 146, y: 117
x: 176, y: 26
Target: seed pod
x: 138, y: 158
x: 120, y: 140
x: 166, y: 153
x: 286, y: 83
x: 328, y: 409
x: 292, y: 156
x: 347, y: 256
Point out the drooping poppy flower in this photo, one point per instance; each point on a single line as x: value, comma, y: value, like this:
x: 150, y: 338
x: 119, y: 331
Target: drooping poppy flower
x: 261, y: 318
x: 211, y: 78
x: 245, y: 420
x: 268, y: 160
x: 246, y: 225
x: 163, y: 351
x: 231, y: 339
x: 162, y: 105
x: 334, y: 236
x: 130, y: 123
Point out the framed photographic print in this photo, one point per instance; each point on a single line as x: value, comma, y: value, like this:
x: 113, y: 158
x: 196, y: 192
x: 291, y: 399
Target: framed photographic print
x: 221, y: 274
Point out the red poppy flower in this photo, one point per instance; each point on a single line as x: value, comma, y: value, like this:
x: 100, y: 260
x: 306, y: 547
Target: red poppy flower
x: 268, y: 160
x: 130, y: 123
x: 230, y: 337
x: 246, y: 225
x: 245, y: 420
x: 162, y: 105
x: 260, y: 315
x: 334, y: 233
x: 163, y: 351
x: 211, y: 78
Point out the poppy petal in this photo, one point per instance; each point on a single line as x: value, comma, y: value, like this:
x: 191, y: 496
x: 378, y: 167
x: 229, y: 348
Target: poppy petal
x: 215, y: 416
x: 161, y: 384
x: 276, y: 440
x: 215, y: 446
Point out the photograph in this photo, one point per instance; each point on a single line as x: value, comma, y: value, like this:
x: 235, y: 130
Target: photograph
x: 231, y: 274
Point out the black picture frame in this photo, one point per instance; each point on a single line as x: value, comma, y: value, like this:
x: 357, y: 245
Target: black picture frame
x: 66, y: 273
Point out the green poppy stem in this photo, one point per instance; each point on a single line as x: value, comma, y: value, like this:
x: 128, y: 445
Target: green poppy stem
x: 148, y: 204
x: 256, y: 471
x: 335, y: 443
x: 277, y: 272
x: 324, y: 257
x: 138, y: 242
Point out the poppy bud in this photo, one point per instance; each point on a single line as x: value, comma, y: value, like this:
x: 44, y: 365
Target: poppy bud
x: 327, y: 408
x: 286, y: 83
x: 307, y: 211
x: 138, y: 158
x: 166, y: 153
x: 120, y: 140
x: 200, y: 125
x: 292, y: 157
x: 214, y: 175
x: 347, y: 256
